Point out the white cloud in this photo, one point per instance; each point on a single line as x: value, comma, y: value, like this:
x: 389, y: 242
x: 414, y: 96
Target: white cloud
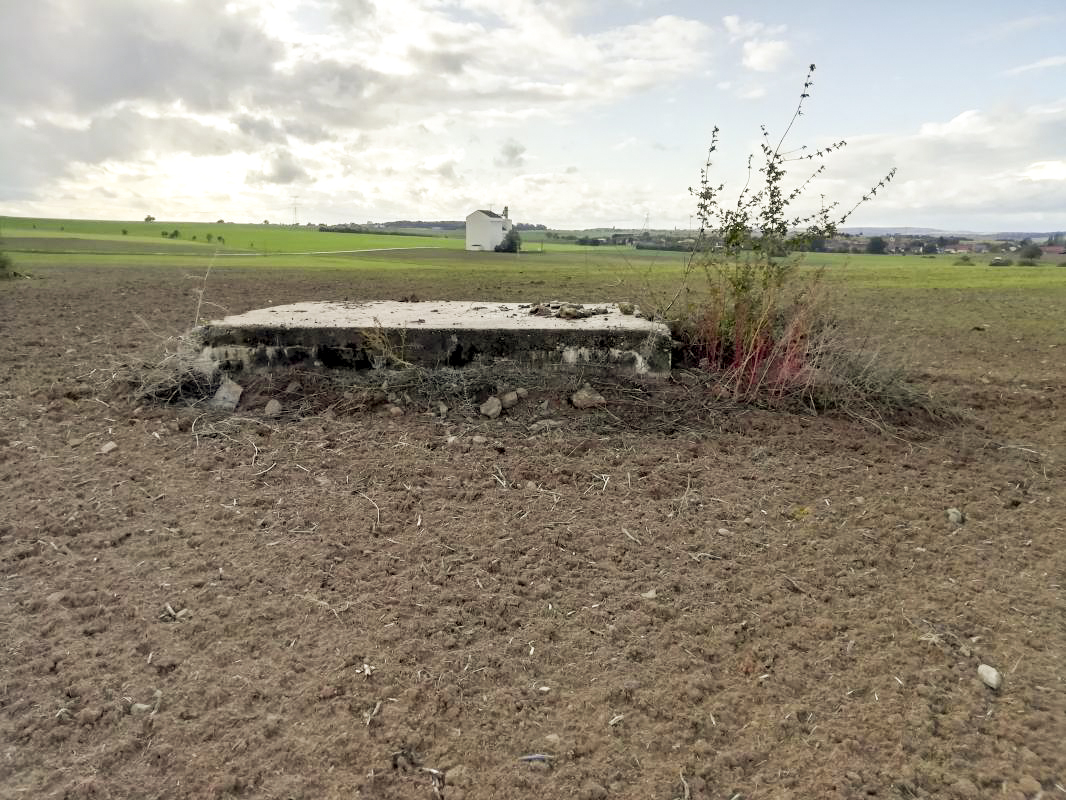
x: 1018, y: 25
x: 1044, y: 63
x: 512, y: 154
x: 739, y: 29
x: 1045, y: 171
x: 752, y: 93
x: 765, y: 55
x: 987, y: 167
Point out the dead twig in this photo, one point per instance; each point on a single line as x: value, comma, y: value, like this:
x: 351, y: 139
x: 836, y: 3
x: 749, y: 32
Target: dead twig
x: 375, y: 505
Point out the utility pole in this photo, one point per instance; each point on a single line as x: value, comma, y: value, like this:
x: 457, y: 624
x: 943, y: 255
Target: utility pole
x: 295, y: 209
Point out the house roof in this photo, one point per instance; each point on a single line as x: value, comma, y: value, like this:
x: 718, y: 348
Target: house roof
x: 492, y: 214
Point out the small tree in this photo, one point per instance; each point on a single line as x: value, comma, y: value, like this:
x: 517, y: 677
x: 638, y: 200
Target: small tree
x: 512, y: 242
x: 149, y: 218
x: 1031, y: 252
x: 758, y: 328
x: 876, y: 246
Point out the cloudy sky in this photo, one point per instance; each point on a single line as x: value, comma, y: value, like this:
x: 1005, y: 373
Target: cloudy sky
x: 574, y: 113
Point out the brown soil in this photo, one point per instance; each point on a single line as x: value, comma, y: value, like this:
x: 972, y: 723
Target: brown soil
x: 658, y: 600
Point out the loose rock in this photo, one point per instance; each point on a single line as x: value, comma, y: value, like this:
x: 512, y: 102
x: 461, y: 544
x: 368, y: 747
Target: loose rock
x: 509, y: 400
x: 990, y: 676
x: 492, y: 407
x: 396, y: 411
x: 544, y: 425
x: 522, y: 393
x: 108, y: 448
x: 273, y: 408
x: 955, y: 516
x: 479, y: 440
x: 587, y: 397
x: 227, y: 396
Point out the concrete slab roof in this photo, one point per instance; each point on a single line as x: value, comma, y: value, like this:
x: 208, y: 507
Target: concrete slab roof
x: 471, y: 315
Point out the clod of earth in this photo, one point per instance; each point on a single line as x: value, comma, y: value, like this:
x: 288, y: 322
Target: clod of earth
x: 587, y: 397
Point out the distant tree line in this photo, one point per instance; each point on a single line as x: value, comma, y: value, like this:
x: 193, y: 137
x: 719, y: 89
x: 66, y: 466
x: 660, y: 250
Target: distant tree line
x: 351, y: 227
x: 447, y: 224
x: 444, y: 225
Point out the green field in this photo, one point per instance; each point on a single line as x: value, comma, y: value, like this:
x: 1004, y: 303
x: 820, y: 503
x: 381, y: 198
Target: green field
x: 439, y: 266
x: 237, y: 237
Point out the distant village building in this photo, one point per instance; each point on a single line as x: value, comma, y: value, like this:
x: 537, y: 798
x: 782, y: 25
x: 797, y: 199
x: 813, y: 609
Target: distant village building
x: 486, y: 229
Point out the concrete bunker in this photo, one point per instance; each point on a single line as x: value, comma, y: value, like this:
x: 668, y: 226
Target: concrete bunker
x: 379, y: 334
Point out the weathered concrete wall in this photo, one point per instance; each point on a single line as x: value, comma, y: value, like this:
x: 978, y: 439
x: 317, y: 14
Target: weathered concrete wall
x: 378, y: 334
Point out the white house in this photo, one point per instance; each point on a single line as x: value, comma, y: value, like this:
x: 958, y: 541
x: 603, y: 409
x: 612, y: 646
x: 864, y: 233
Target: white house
x: 486, y: 229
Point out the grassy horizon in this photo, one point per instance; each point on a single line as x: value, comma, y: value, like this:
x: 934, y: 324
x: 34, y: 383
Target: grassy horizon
x: 558, y: 266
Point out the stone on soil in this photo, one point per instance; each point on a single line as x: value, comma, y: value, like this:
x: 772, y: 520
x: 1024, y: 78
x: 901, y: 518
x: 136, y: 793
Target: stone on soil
x: 273, y: 408
x: 227, y: 396
x: 544, y: 425
x: 492, y: 407
x: 990, y: 676
x: 509, y: 399
x: 955, y: 516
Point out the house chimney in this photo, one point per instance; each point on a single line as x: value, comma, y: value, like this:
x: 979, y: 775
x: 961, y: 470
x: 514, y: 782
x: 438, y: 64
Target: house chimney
x: 505, y: 212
